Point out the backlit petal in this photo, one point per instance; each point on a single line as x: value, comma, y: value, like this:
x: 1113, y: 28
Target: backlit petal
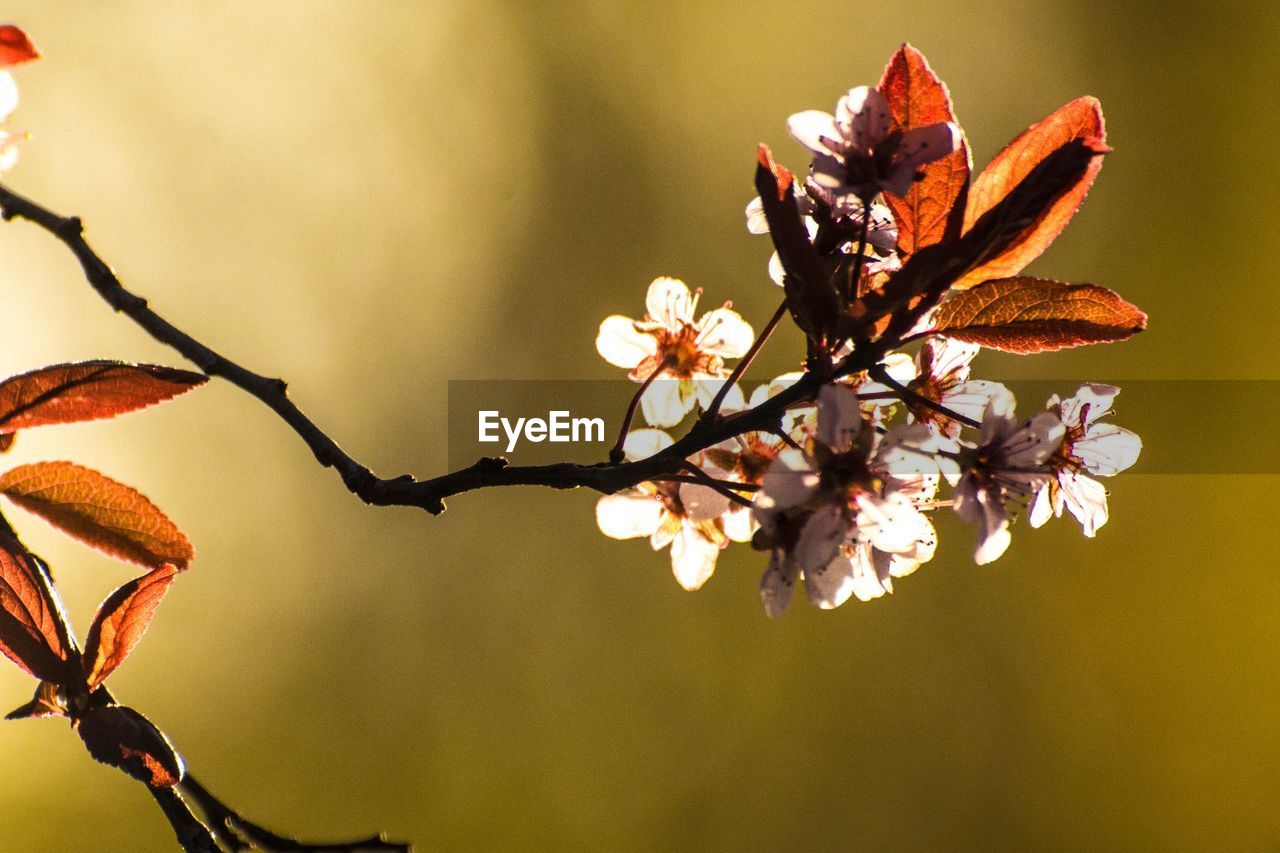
x: 628, y: 516
x: 669, y: 303
x: 622, y: 344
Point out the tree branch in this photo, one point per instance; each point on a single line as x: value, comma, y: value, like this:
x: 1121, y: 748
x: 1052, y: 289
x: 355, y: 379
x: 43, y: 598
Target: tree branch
x: 406, y: 490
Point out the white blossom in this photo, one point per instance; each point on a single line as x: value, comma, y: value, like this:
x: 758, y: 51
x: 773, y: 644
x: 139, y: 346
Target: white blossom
x: 1090, y: 448
x: 687, y: 356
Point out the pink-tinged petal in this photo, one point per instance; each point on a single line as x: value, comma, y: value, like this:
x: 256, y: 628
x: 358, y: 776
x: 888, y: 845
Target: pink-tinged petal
x: 756, y: 222
x: 1106, y: 449
x: 1037, y: 440
x: 643, y: 443
x: 702, y: 503
x: 622, y: 344
x: 664, y: 403
x: 863, y: 117
x: 811, y: 127
x: 1096, y: 396
x: 972, y: 398
x: 8, y: 95
x: 789, y: 482
x: 820, y: 539
x: 777, y: 585
x: 628, y: 516
x: 1040, y: 509
x: 693, y: 558
x: 831, y: 585
x: 839, y: 417
x: 669, y: 303
x: 723, y: 332
x: 739, y: 525
x: 923, y: 145
x: 1086, y: 498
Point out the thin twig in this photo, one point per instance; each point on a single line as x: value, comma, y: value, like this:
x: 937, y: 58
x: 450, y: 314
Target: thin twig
x: 405, y: 490
x: 616, y: 453
x: 879, y: 373
x: 251, y: 836
x: 746, y: 360
x: 193, y: 835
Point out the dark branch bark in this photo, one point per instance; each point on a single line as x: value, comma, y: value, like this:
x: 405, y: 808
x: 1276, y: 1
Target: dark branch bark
x: 406, y: 490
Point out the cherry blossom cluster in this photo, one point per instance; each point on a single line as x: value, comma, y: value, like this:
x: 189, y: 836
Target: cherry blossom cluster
x: 899, y: 269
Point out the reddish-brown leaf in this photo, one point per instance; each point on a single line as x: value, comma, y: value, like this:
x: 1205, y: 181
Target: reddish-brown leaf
x: 15, y: 46
x: 1027, y: 315
x: 89, y: 390
x: 121, y: 621
x: 1081, y: 119
x: 29, y: 617
x: 47, y: 702
x: 112, y: 517
x: 123, y: 738
x: 918, y: 98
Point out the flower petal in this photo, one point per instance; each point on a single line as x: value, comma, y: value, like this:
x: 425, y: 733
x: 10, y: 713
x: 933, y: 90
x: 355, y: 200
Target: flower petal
x: 810, y: 127
x: 756, y: 222
x: 693, y: 558
x: 723, y: 332
x: 863, y: 117
x: 923, y: 145
x: 664, y: 404
x: 820, y: 538
x: 643, y: 443
x: 622, y: 344
x: 628, y: 516
x: 777, y: 585
x: 702, y: 503
x: 790, y: 480
x: 1106, y: 449
x: 839, y: 417
x: 739, y: 524
x: 1096, y: 396
x: 8, y: 95
x: 669, y: 303
x: 1087, y: 500
x: 831, y: 585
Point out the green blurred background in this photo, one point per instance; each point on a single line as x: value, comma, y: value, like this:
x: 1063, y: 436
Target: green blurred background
x: 372, y: 198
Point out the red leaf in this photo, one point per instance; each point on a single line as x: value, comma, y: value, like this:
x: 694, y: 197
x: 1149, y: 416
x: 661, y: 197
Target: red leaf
x: 1027, y: 315
x: 104, y: 514
x: 1081, y: 119
x: 29, y: 617
x: 15, y: 46
x: 89, y: 390
x: 784, y: 176
x: 121, y: 621
x: 123, y: 738
x: 918, y: 98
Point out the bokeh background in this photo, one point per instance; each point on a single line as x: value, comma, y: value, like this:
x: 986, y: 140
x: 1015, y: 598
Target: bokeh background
x: 372, y: 198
